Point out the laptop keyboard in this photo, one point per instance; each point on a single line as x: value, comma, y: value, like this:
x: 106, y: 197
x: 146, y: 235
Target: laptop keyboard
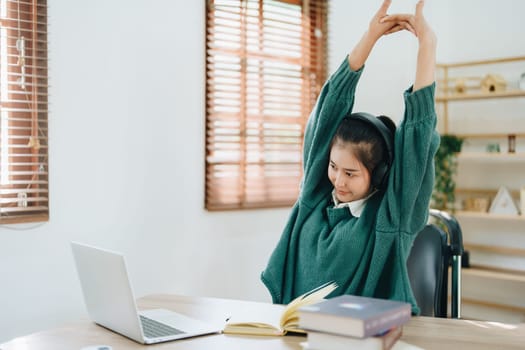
x: 154, y: 329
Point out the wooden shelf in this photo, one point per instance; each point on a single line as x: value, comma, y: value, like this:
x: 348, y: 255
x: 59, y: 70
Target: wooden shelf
x: 491, y: 136
x: 496, y: 287
x: 481, y: 62
x: 480, y: 95
x: 485, y: 191
x: 495, y: 274
x: 493, y: 249
x: 487, y: 216
x: 492, y: 157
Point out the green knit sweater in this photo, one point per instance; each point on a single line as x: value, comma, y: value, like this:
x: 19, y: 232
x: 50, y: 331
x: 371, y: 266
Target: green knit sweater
x: 365, y: 255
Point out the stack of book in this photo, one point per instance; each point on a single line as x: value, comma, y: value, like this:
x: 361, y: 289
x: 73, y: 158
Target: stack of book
x: 353, y: 322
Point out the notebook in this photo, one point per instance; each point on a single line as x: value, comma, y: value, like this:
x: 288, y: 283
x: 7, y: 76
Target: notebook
x: 110, y: 301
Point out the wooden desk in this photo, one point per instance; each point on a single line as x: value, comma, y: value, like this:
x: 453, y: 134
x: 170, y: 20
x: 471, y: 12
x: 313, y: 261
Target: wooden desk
x: 425, y: 332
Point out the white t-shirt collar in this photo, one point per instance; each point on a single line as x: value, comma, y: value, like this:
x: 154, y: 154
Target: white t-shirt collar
x: 355, y: 207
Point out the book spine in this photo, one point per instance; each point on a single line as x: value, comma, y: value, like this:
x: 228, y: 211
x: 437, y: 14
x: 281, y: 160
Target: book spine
x: 387, y: 321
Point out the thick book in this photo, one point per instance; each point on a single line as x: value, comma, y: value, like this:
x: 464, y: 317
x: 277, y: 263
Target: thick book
x: 328, y: 341
x: 271, y: 323
x: 354, y: 316
x: 399, y: 345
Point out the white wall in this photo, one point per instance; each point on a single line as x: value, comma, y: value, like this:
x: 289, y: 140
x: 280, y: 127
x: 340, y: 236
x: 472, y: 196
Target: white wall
x: 127, y: 150
x: 390, y: 67
x: 127, y: 168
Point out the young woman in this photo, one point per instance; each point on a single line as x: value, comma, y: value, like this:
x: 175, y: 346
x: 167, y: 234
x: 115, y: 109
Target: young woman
x: 365, y: 193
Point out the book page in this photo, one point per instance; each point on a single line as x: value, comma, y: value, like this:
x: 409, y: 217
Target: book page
x: 260, y: 321
x: 274, y: 319
x: 290, y: 318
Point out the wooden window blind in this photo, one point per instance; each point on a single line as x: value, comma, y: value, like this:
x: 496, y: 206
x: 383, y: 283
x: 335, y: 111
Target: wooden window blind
x: 265, y: 63
x: 24, y: 195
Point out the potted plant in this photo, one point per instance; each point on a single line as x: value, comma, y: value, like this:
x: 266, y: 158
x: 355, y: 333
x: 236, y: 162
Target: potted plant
x: 443, y: 195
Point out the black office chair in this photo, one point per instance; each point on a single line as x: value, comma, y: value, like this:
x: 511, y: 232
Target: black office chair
x: 436, y: 248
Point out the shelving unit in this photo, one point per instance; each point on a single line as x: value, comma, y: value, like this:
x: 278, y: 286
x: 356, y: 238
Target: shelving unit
x: 493, y: 288
x: 447, y: 94
x: 488, y: 216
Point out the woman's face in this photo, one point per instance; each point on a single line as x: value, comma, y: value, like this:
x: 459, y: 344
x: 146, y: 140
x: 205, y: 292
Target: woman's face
x: 349, y: 176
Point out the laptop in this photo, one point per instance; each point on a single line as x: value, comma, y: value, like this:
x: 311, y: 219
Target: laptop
x: 110, y: 301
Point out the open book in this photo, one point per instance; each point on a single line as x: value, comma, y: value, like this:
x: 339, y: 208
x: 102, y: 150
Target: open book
x: 276, y: 320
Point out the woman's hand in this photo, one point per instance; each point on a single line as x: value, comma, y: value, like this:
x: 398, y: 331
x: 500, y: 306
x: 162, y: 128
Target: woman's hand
x: 424, y: 33
x: 383, y: 24
x: 376, y: 29
x: 415, y: 23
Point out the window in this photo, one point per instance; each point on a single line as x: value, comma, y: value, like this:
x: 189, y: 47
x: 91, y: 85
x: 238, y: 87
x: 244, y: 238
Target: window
x: 265, y: 65
x: 23, y: 111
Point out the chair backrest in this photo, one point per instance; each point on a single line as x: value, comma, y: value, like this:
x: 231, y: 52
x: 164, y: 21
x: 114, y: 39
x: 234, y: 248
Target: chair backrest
x: 434, y: 250
x: 426, y: 267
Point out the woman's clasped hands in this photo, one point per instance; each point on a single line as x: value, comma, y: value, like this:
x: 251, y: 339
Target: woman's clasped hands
x: 383, y: 23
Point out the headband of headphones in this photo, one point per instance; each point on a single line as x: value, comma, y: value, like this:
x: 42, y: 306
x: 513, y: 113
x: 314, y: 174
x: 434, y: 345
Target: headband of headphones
x: 380, y: 173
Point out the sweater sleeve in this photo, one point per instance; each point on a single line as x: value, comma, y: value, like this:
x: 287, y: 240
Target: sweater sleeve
x: 334, y: 102
x: 406, y: 203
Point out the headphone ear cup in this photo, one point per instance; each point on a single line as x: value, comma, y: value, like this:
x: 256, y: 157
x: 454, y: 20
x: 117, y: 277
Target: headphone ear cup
x: 379, y: 176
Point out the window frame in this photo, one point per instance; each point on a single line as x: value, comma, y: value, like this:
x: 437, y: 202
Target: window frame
x: 228, y: 182
x: 24, y: 178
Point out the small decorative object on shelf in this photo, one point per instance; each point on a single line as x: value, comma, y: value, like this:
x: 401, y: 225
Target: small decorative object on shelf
x: 477, y: 204
x: 512, y: 143
x: 493, y: 83
x: 503, y: 203
x: 522, y: 81
x: 493, y: 148
x: 522, y: 200
x: 460, y: 85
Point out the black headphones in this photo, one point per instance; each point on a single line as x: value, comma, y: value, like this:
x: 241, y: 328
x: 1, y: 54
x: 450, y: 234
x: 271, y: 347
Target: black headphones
x: 379, y: 176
